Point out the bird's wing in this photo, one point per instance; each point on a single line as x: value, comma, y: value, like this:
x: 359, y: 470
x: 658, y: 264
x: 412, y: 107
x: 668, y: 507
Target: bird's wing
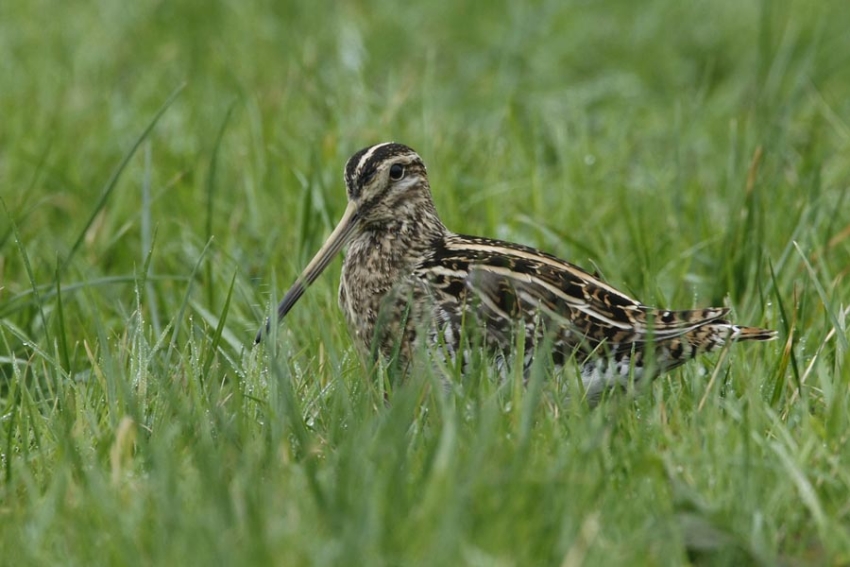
x: 513, y: 282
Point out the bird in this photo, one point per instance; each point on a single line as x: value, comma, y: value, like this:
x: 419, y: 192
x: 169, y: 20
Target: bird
x: 408, y: 281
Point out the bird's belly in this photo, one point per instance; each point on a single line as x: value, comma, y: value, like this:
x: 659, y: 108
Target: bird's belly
x: 388, y: 317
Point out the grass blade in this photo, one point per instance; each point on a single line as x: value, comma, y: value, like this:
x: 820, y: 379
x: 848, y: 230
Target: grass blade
x: 28, y: 268
x: 112, y: 182
x: 216, y: 338
x: 211, y: 195
x: 178, y: 320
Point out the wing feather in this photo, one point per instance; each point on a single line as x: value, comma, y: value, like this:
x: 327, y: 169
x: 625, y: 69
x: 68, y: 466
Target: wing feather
x: 511, y: 281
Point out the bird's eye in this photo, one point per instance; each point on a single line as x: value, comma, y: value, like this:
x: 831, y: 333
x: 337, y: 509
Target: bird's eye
x: 396, y: 171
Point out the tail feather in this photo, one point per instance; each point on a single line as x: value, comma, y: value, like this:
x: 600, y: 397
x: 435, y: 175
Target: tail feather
x: 741, y: 333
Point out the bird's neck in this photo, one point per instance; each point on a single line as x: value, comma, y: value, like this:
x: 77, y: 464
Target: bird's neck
x: 415, y: 228
x: 393, y: 246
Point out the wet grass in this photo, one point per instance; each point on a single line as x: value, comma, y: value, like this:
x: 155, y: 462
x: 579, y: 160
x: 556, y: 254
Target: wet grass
x: 166, y: 169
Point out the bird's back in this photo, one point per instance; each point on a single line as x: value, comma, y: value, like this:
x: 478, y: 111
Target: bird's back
x: 499, y: 288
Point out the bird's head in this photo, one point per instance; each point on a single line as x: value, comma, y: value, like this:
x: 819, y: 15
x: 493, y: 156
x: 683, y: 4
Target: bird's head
x: 384, y: 182
x: 387, y: 186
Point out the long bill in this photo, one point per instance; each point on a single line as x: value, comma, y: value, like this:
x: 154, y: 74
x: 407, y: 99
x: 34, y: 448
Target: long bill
x: 336, y: 241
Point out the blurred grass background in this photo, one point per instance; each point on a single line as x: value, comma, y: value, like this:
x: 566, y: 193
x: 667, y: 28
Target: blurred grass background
x: 166, y: 169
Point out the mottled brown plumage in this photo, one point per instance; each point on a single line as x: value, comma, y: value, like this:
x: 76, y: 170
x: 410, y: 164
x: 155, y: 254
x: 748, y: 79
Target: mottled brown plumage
x: 406, y: 278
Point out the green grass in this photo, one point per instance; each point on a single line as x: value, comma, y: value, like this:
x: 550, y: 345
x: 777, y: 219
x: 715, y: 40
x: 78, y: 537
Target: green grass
x: 166, y: 169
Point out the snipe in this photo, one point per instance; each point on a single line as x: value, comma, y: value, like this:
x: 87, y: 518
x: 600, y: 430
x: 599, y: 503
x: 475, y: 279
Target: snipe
x: 407, y: 278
